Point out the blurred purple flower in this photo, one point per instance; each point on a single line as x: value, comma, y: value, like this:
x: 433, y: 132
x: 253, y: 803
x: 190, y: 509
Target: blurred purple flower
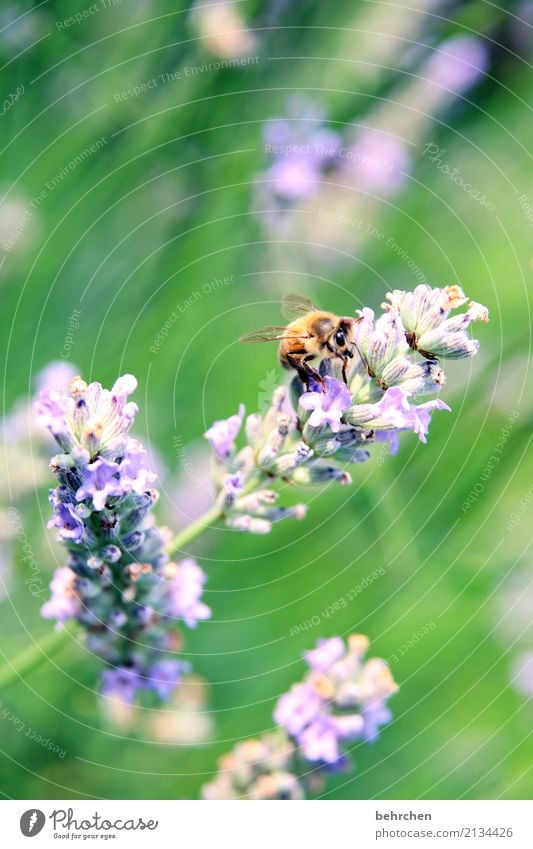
x: 297, y: 708
x: 55, y: 376
x: 185, y: 587
x: 165, y: 676
x: 64, y: 603
x: 302, y: 148
x: 326, y: 653
x: 340, y: 699
x: 382, y: 162
x: 122, y: 683
x: 458, y: 63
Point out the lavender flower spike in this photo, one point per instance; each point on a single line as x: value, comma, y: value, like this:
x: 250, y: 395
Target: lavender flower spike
x: 119, y: 584
x: 341, y: 699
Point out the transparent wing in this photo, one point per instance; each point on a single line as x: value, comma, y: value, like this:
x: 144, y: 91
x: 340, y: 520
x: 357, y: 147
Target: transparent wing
x: 293, y: 306
x: 271, y: 334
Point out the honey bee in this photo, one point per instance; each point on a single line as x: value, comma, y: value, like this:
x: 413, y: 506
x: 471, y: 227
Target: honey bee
x: 310, y: 334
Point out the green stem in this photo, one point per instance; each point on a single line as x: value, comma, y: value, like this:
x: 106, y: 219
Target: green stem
x: 31, y: 657
x: 194, y: 530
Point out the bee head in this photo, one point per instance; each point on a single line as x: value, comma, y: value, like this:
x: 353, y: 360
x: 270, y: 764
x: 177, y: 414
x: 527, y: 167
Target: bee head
x: 342, y: 338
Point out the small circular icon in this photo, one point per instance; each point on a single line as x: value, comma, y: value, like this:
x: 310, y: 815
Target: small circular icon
x: 32, y: 822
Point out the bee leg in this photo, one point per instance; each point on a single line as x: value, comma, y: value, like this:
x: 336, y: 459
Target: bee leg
x: 297, y: 364
x: 311, y: 372
x: 344, y: 367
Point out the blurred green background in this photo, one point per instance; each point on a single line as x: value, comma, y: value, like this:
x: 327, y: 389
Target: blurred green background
x: 147, y: 218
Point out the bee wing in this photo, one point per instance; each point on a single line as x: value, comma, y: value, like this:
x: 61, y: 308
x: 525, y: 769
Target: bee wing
x: 293, y: 306
x: 271, y: 334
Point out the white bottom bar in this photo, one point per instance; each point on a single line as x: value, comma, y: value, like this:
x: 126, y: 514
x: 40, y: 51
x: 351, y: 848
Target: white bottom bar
x: 328, y: 824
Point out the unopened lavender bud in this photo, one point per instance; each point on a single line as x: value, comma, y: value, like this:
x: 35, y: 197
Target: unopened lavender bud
x: 275, y: 442
x: 108, y: 526
x: 279, y: 399
x: 451, y: 346
x: 111, y: 553
x: 251, y: 524
x: 83, y: 511
x: 245, y: 459
x: 297, y: 389
x: 118, y: 618
x: 132, y: 540
x: 254, y: 430
x: 352, y: 455
x: 297, y: 511
x: 314, y: 475
x: 359, y: 414
x: 94, y: 563
x: 61, y: 462
x: 257, y: 500
x: 326, y: 446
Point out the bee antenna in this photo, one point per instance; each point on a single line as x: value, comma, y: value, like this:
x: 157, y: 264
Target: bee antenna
x: 354, y: 345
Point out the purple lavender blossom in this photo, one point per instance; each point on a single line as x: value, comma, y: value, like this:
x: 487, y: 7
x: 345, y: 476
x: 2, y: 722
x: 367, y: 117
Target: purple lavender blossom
x: 100, y: 483
x: 424, y: 315
x: 135, y: 472
x: 327, y: 406
x: 92, y: 420
x: 68, y: 523
x: 394, y: 410
x: 222, y: 434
